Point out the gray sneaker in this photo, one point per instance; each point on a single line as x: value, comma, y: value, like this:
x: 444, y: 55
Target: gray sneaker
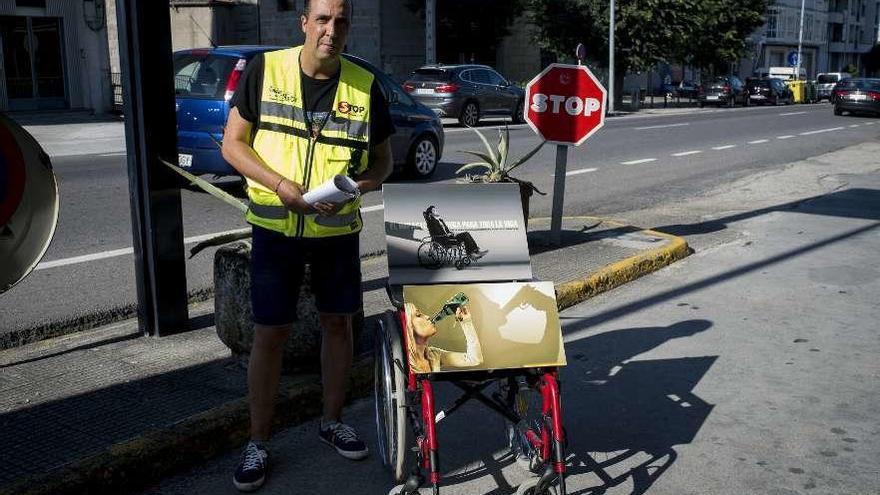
x: 251, y: 472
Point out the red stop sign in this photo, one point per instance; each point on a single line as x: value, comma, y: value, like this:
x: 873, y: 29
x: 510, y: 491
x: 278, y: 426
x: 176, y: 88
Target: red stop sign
x: 565, y: 104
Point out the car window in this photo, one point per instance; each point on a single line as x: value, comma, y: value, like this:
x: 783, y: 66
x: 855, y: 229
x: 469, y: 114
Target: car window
x: 202, y: 76
x: 861, y: 84
x: 429, y: 75
x: 827, y: 79
x: 496, y: 78
x: 480, y: 76
x: 465, y: 76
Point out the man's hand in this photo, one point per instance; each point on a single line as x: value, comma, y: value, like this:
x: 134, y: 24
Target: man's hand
x: 328, y: 209
x: 291, y: 195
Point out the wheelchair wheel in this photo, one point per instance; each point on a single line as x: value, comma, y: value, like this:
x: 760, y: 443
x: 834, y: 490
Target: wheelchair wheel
x: 430, y: 255
x: 392, y: 427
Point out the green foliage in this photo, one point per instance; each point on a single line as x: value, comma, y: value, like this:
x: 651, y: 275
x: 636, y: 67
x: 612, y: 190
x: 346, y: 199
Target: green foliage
x: 470, y: 29
x: 699, y: 32
x: 871, y: 60
x: 852, y: 70
x: 495, y: 161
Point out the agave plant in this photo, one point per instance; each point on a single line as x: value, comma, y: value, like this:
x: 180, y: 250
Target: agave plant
x: 222, y: 196
x: 495, y: 163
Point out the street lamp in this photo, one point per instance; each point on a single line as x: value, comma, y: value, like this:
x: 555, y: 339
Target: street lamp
x: 800, y: 43
x: 611, y: 58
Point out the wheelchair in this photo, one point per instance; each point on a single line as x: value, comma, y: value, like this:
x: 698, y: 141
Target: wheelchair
x: 435, y: 252
x: 407, y: 414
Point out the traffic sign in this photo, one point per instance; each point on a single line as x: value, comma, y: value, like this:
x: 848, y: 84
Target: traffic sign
x: 792, y: 58
x: 565, y: 104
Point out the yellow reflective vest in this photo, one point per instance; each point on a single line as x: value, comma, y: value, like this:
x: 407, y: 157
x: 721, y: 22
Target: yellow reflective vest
x: 285, y: 143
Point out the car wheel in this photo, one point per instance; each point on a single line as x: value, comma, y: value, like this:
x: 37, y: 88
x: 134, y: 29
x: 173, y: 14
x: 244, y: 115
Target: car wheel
x: 470, y: 114
x: 518, y: 116
x: 701, y: 104
x: 837, y: 110
x: 423, y: 157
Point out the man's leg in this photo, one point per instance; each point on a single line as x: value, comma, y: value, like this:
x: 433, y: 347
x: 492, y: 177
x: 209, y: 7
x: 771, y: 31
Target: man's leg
x: 336, y: 357
x: 264, y: 373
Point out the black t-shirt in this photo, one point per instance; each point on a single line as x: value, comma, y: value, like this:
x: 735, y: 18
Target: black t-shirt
x: 318, y: 97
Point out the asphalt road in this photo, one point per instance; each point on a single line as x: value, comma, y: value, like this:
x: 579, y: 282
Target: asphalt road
x: 633, y: 163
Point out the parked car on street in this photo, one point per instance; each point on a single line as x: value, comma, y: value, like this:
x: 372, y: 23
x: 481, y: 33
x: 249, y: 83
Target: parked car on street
x: 769, y: 90
x: 724, y: 91
x: 856, y: 95
x: 206, y: 78
x: 826, y: 82
x: 466, y: 92
x: 680, y: 89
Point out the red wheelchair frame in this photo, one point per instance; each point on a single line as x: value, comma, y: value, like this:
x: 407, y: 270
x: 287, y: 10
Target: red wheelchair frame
x: 400, y: 393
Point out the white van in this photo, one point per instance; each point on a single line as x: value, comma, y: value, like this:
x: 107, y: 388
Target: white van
x: 826, y: 82
x: 784, y: 73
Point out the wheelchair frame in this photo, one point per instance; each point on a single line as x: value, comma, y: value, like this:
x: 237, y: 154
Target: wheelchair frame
x: 406, y: 416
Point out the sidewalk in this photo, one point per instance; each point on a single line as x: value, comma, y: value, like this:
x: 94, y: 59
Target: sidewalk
x: 749, y: 367
x: 73, y: 133
x: 106, y: 408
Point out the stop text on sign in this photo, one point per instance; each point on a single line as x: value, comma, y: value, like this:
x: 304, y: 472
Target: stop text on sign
x: 572, y: 105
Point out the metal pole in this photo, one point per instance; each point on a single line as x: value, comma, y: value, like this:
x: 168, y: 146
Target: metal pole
x: 558, y: 194
x: 430, y: 31
x: 611, y: 58
x: 150, y: 135
x: 800, y: 43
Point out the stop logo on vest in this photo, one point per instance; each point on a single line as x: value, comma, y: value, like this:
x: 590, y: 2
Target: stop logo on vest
x: 565, y: 104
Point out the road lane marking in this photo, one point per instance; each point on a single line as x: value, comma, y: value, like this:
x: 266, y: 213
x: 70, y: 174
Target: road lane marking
x: 125, y: 251
x: 581, y: 171
x: 123, y: 153
x: 636, y: 162
x: 660, y: 126
x: 787, y: 136
x: 808, y: 133
x: 725, y: 147
x: 759, y: 141
x: 481, y: 128
x: 869, y: 123
x: 686, y: 153
x: 791, y: 113
x: 854, y: 125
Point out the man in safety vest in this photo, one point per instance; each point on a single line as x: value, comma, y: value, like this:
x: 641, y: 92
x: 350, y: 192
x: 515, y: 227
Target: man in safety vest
x: 300, y: 117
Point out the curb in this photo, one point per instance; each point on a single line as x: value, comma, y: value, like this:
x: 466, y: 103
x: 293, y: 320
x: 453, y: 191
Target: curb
x: 616, y: 274
x: 143, y: 460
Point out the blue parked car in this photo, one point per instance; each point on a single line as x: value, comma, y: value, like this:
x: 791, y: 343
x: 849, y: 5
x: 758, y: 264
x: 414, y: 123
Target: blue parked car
x: 206, y: 78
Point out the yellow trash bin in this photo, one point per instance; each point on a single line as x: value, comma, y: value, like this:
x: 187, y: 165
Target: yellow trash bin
x: 797, y: 88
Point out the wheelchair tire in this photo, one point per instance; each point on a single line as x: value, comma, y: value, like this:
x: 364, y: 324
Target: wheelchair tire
x: 430, y: 255
x: 392, y: 426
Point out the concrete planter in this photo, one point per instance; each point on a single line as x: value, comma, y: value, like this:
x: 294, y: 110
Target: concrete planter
x: 233, y: 317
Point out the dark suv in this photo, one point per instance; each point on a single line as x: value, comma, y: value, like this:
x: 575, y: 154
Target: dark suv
x: 724, y: 91
x: 466, y: 92
x: 770, y: 90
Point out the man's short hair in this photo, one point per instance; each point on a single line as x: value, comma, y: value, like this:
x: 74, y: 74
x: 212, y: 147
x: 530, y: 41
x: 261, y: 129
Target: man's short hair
x: 307, y: 7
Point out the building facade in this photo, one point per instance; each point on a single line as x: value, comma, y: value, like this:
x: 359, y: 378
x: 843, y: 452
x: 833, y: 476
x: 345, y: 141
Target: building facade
x: 54, y: 55
x: 836, y: 34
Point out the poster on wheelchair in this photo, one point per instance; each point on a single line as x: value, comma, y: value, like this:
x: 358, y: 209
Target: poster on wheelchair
x: 442, y: 233
x: 461, y: 327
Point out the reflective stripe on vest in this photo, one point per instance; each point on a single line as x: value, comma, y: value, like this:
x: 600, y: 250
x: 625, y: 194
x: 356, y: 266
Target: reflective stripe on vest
x: 283, y: 141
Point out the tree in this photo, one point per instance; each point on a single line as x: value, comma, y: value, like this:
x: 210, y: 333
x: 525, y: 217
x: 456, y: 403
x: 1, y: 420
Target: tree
x: 700, y: 32
x: 871, y: 60
x: 468, y: 30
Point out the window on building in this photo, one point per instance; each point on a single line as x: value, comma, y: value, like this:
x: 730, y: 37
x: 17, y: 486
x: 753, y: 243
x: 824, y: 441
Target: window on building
x: 771, y: 22
x: 40, y: 4
x: 808, y: 27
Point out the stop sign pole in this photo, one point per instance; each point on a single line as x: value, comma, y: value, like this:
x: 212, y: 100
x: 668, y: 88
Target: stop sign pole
x: 566, y: 105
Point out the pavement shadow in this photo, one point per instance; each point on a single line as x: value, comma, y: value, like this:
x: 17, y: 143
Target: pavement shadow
x: 849, y: 203
x: 539, y: 239
x: 46, y: 436
x: 623, y: 417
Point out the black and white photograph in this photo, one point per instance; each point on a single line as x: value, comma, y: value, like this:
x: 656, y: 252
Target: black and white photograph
x: 455, y: 233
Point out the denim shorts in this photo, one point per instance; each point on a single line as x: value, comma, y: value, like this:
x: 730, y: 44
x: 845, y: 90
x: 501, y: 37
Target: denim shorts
x: 277, y: 266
